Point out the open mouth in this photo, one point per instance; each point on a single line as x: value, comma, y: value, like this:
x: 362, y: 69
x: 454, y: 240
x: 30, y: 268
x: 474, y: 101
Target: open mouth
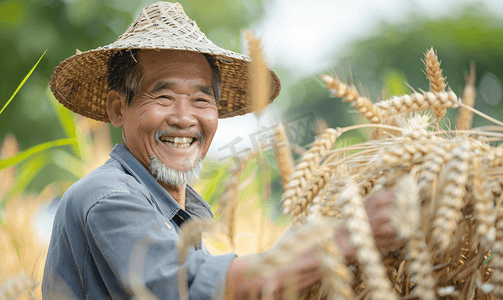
x: 178, y: 142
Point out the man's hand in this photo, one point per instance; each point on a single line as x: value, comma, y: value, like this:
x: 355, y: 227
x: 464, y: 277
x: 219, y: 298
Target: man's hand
x: 306, y: 266
x: 378, y: 207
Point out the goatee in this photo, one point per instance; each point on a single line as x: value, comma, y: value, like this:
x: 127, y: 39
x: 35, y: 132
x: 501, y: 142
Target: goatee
x: 175, y: 177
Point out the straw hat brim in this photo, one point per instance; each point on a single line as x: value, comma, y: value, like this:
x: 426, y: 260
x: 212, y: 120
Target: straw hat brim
x: 80, y: 83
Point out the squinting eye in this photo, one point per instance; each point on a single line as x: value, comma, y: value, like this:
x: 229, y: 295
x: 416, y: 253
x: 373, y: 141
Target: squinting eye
x: 202, y: 100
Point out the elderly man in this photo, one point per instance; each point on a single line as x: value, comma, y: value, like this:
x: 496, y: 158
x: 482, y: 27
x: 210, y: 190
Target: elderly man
x: 115, y: 229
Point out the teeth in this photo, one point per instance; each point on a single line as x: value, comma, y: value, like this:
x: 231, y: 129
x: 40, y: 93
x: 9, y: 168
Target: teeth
x: 177, y: 139
x: 177, y: 142
x: 176, y: 145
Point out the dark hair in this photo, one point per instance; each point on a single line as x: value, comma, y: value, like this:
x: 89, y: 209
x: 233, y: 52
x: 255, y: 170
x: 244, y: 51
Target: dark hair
x: 124, y: 74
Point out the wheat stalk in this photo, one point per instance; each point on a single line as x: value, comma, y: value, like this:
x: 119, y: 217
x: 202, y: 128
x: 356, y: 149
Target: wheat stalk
x: 283, y: 154
x: 465, y: 116
x: 229, y: 199
x: 259, y: 74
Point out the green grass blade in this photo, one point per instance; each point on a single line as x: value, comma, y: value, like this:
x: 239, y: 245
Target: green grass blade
x: 488, y: 259
x: 14, y: 160
x: 67, y: 120
x: 66, y: 161
x: 22, y: 82
x: 26, y: 174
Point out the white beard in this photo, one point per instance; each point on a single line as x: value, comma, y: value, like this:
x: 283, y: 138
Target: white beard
x: 174, y: 177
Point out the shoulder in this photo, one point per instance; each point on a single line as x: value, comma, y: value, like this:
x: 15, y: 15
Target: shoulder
x: 107, y: 180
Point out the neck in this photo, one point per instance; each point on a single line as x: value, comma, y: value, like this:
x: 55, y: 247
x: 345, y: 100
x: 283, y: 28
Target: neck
x: 177, y: 192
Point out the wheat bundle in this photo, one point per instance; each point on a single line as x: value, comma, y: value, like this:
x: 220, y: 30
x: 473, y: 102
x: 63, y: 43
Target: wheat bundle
x: 448, y: 193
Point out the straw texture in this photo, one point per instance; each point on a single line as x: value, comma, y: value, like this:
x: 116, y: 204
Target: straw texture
x: 80, y: 82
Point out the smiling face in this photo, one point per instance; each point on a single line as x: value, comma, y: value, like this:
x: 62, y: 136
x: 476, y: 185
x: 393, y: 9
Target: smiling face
x: 174, y: 116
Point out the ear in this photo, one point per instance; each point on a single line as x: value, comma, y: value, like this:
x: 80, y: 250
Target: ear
x: 115, y: 105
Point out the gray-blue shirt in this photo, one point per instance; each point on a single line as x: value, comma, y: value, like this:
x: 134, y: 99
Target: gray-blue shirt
x: 116, y: 229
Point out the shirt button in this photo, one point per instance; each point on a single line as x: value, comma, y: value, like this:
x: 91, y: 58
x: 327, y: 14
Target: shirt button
x: 169, y: 227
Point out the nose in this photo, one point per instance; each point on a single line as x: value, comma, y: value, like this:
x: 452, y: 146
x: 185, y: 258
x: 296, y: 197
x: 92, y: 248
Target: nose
x: 181, y: 115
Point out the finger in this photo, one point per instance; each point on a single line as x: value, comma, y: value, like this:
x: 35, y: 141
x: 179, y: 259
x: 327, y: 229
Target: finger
x: 380, y: 218
x: 379, y: 199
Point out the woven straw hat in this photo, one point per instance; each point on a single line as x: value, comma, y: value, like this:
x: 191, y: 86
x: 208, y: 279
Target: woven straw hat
x: 80, y: 82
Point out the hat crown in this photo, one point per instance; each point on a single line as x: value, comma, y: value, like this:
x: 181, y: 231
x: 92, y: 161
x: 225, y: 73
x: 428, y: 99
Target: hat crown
x: 166, y: 17
x: 164, y: 25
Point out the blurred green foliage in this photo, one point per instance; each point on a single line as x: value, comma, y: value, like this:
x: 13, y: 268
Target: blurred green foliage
x: 392, y: 57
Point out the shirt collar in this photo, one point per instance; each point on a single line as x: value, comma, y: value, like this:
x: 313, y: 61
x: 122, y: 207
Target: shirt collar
x: 194, y: 203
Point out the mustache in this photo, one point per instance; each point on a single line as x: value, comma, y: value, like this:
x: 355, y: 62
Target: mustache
x: 159, y: 133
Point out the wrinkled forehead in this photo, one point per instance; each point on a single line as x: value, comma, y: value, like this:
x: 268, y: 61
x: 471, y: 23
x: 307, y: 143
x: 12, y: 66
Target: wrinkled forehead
x: 180, y: 57
x: 174, y: 66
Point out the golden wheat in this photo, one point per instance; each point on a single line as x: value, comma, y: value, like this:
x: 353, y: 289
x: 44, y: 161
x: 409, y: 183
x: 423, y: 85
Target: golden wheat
x: 337, y: 277
x: 418, y: 102
x: 437, y: 81
x: 353, y: 210
x: 449, y: 195
x: 283, y: 154
x: 350, y: 94
x: 259, y: 74
x: 303, y: 171
x: 465, y: 116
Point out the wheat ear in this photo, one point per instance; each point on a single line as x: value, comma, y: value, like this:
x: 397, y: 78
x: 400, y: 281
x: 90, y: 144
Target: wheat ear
x: 496, y: 263
x: 259, y: 73
x: 351, y: 95
x: 449, y: 195
x: 190, y: 236
x: 429, y: 171
x: 418, y: 102
x: 283, y: 154
x: 309, y: 161
x: 336, y: 282
x: 403, y: 153
x: 498, y: 157
x: 313, y: 187
x: 329, y: 206
x: 361, y: 238
x: 420, y: 266
x: 405, y: 216
x: 484, y: 212
x: 437, y: 81
x: 465, y: 116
